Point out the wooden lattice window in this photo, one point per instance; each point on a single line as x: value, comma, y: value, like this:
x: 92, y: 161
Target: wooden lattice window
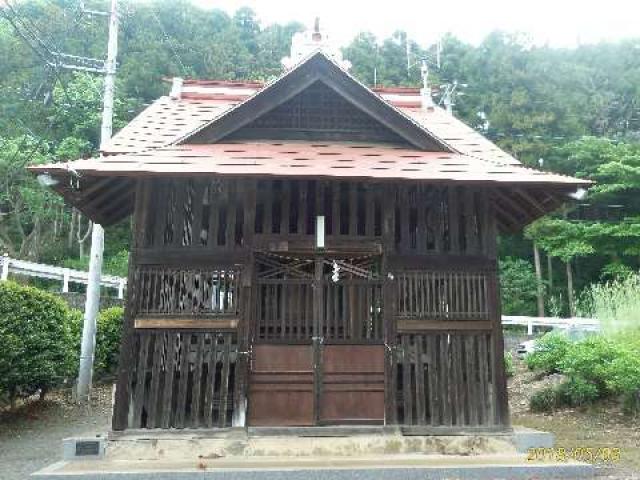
x: 187, y: 292
x: 318, y: 113
x: 443, y: 295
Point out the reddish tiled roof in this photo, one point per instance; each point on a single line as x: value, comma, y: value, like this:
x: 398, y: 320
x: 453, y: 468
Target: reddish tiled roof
x: 167, y: 120
x: 164, y: 121
x: 348, y: 160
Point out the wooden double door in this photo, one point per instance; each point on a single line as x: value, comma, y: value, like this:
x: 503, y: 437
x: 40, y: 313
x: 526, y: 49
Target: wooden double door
x: 317, y: 353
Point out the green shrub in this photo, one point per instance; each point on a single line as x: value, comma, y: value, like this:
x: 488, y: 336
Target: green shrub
x: 108, y: 333
x: 549, y: 354
x: 576, y: 392
x: 108, y: 340
x: 508, y: 364
x: 543, y: 400
x: 35, y: 338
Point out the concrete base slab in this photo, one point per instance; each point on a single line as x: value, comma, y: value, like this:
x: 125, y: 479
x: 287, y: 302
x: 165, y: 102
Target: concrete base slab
x: 391, y: 467
x: 193, y: 446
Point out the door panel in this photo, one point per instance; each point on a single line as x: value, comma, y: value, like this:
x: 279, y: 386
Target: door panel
x: 281, y: 387
x: 352, y: 384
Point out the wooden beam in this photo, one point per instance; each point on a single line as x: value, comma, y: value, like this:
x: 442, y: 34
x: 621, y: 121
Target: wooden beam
x: 425, y: 325
x: 160, y: 322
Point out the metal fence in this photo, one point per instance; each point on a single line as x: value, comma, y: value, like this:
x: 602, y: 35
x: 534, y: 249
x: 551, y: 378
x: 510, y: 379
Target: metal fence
x: 62, y: 274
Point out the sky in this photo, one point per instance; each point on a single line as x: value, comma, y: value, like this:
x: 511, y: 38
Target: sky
x: 559, y: 23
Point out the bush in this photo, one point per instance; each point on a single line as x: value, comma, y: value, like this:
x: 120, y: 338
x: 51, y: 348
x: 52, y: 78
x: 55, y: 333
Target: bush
x: 108, y: 333
x: 543, y: 400
x: 549, y: 354
x: 108, y: 340
x: 576, y: 392
x: 596, y: 367
x: 508, y: 364
x: 36, y: 340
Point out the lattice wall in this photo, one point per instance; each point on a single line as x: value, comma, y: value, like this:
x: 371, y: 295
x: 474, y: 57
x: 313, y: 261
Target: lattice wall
x: 222, y: 214
x: 446, y: 379
x: 183, y: 379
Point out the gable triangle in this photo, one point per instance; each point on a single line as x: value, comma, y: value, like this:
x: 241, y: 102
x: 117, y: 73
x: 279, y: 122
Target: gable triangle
x: 300, y: 92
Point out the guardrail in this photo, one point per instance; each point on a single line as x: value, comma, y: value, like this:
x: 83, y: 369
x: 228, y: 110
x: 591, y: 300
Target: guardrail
x: 556, y: 322
x: 65, y: 275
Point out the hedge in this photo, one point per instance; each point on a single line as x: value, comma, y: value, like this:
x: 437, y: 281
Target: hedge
x: 36, y: 340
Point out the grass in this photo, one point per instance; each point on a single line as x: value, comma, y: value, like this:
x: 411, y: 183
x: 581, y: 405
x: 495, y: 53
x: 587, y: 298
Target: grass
x: 615, y: 303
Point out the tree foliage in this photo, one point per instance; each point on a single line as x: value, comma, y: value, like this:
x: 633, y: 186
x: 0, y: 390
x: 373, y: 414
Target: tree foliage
x: 575, y: 108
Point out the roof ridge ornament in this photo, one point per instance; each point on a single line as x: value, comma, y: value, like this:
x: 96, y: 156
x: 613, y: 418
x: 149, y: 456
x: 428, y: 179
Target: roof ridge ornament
x: 425, y: 91
x: 176, y: 88
x: 304, y: 44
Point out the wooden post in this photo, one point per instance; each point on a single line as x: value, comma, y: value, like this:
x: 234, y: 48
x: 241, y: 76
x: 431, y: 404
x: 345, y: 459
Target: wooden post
x: 245, y: 328
x: 389, y: 305
x: 318, y: 302
x: 127, y: 353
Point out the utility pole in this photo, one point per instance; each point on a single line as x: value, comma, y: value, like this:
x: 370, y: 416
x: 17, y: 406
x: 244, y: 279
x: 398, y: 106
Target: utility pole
x: 92, y: 304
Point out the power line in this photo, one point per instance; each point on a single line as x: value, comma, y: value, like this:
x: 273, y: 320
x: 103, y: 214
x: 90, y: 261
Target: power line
x: 169, y: 41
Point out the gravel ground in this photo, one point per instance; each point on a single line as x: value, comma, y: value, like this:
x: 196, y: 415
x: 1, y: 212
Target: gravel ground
x: 31, y: 437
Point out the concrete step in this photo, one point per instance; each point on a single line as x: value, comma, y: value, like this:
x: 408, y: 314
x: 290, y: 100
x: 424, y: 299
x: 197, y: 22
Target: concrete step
x: 386, y: 467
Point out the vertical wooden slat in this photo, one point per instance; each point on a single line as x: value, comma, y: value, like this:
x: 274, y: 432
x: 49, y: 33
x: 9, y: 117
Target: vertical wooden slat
x: 421, y: 241
x: 420, y: 394
x: 210, y: 384
x: 454, y: 220
x: 268, y: 207
x: 183, y: 369
x: 303, y: 199
x: 445, y: 372
x: 169, y: 377
x: 482, y: 400
x: 403, y: 204
x: 224, y: 382
x: 232, y: 212
x: 460, y: 383
x: 406, y: 381
x: 353, y: 209
x: 369, y: 208
x: 471, y: 364
x: 197, y: 383
x: 434, y: 404
x: 470, y: 220
x: 156, y: 372
x: 285, y: 209
x: 335, y: 208
x: 141, y: 374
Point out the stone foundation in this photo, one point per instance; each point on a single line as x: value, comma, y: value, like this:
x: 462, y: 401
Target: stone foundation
x: 180, y: 446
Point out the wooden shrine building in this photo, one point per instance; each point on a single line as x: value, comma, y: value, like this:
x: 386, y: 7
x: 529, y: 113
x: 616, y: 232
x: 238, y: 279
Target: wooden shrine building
x: 309, y: 252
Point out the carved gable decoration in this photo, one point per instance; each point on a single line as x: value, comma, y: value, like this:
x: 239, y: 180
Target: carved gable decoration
x: 318, y: 113
x: 317, y: 100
